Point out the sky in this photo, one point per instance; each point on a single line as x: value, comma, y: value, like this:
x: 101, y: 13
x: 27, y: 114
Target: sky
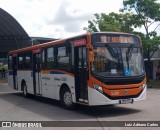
x: 57, y: 18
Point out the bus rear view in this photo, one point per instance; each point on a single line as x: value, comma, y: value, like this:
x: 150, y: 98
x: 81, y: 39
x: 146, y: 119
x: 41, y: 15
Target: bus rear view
x: 117, y: 69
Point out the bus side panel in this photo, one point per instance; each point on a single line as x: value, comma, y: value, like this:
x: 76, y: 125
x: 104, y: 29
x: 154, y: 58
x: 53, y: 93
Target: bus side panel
x: 64, y: 79
x: 52, y: 82
x: 47, y: 85
x: 57, y: 83
x: 28, y: 77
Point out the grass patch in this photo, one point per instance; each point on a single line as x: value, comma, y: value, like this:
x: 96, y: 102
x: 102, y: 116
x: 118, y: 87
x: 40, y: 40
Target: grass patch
x: 154, y: 83
x: 6, y: 68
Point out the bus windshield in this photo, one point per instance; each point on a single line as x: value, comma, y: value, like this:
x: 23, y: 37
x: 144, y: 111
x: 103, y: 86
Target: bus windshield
x: 111, y: 60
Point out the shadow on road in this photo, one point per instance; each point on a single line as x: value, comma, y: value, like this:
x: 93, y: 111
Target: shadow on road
x: 52, y: 109
x: 108, y: 111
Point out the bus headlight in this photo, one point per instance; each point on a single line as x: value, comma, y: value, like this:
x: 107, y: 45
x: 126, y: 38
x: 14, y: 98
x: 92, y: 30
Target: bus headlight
x: 98, y: 88
x: 144, y: 85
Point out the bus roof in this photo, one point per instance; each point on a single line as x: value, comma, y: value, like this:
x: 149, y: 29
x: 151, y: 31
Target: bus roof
x: 39, y: 46
x: 122, y: 33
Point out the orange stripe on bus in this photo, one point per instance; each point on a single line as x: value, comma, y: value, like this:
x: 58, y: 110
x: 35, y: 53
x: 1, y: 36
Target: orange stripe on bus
x: 123, y: 92
x: 60, y: 71
x: 45, y: 71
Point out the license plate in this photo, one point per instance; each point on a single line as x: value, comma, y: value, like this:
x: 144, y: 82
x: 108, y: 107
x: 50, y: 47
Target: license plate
x: 125, y: 101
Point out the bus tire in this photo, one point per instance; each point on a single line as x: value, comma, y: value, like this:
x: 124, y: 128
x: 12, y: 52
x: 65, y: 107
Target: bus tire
x: 25, y: 93
x: 66, y: 99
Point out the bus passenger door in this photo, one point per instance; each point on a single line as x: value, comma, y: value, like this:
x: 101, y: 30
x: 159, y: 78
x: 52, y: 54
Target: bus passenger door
x: 15, y: 72
x: 37, y: 74
x: 81, y: 74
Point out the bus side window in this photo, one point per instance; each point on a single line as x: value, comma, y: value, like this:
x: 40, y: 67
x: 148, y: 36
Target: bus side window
x: 20, y: 62
x: 27, y: 60
x: 50, y: 58
x: 64, y: 59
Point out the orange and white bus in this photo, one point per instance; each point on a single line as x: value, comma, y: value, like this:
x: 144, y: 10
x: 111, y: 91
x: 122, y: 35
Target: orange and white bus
x: 100, y: 68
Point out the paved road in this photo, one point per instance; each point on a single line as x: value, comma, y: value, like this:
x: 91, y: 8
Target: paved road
x: 14, y: 107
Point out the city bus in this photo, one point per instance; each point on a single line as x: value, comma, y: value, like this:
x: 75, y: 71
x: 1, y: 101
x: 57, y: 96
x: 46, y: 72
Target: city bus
x: 101, y: 68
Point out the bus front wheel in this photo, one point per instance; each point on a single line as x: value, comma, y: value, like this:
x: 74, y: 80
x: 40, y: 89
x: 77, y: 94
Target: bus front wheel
x: 66, y: 99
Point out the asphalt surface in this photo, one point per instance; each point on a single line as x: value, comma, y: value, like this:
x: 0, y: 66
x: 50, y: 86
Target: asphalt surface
x: 14, y: 107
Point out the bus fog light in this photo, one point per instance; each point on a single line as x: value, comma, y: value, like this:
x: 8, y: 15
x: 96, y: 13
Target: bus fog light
x: 98, y: 88
x: 144, y: 85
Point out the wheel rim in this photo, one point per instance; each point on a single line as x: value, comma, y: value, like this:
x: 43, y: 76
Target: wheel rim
x: 67, y: 98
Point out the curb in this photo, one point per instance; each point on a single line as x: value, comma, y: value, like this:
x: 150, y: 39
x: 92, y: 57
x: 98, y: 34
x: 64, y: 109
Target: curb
x: 150, y: 86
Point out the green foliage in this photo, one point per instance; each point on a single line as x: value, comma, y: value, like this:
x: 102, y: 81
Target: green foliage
x: 146, y: 13
x: 135, y: 14
x: 111, y: 22
x: 5, y: 67
x: 146, y: 10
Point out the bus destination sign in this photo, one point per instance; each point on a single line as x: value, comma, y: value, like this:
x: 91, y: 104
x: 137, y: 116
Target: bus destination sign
x: 80, y: 42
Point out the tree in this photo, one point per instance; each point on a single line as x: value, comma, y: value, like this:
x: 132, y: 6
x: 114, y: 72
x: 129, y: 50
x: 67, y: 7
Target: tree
x: 111, y: 22
x: 146, y: 13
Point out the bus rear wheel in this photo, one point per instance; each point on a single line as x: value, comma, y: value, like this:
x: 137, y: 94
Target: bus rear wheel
x: 66, y: 99
x: 25, y: 93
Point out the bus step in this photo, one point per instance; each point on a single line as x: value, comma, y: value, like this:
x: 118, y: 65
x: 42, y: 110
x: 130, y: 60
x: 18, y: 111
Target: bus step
x: 38, y: 94
x: 82, y: 103
x: 83, y: 100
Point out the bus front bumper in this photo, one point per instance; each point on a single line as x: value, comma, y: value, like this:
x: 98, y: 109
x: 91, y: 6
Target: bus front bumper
x: 97, y: 98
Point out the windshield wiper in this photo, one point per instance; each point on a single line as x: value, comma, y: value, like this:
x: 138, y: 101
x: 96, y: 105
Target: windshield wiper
x: 129, y: 53
x: 112, y: 51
